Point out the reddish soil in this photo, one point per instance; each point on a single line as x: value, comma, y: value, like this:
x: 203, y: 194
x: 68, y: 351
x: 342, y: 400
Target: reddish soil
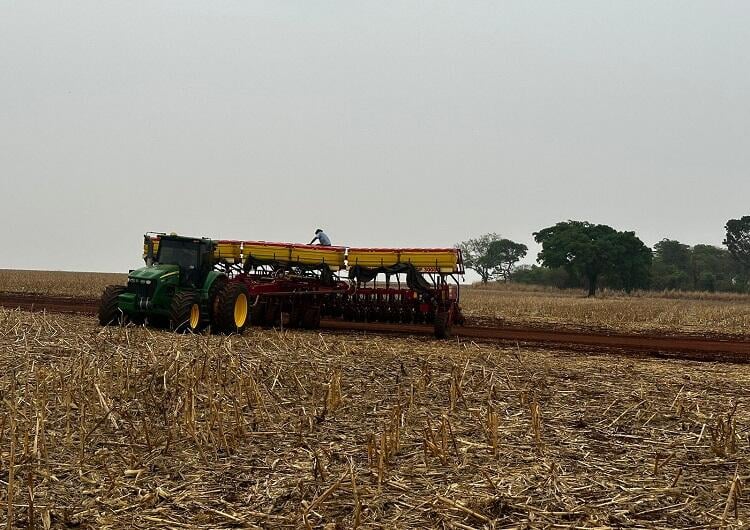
x: 686, y: 347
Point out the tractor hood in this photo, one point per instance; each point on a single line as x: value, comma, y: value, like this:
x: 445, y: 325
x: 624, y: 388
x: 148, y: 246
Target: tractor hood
x: 154, y: 272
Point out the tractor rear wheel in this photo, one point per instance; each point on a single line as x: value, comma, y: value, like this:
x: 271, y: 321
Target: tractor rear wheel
x: 232, y: 309
x: 109, y: 310
x: 185, y: 313
x: 213, y: 297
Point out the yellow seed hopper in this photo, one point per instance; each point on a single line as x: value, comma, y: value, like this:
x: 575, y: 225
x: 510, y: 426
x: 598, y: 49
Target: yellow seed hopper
x: 442, y: 260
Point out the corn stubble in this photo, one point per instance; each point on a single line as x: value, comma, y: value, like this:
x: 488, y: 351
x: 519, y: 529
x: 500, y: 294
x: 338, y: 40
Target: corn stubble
x: 121, y: 427
x: 647, y: 313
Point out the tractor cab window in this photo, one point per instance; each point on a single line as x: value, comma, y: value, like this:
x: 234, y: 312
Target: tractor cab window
x: 186, y: 254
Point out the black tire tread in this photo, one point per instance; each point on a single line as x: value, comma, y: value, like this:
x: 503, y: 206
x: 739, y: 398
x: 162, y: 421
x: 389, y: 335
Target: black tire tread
x: 179, y: 312
x: 109, y: 311
x: 224, y: 315
x: 216, y: 288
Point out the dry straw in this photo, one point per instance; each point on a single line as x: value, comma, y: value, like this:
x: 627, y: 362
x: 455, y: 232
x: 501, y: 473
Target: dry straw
x: 132, y: 427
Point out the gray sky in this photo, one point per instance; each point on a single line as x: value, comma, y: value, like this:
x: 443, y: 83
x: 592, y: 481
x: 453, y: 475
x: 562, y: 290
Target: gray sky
x: 385, y: 123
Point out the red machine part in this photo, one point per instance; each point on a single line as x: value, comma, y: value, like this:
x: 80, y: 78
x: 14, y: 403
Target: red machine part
x: 281, y: 294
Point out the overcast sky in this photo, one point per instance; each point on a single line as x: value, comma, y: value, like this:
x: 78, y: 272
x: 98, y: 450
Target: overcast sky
x: 385, y: 123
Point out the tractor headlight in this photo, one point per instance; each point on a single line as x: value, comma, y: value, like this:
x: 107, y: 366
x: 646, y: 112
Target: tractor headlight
x: 148, y: 282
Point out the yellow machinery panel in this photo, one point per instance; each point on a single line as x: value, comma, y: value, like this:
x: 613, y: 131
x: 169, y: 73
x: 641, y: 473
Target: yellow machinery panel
x: 316, y: 255
x: 444, y: 260
x: 261, y: 250
x: 438, y: 260
x: 441, y: 260
x: 373, y: 257
x: 290, y: 253
x: 229, y: 251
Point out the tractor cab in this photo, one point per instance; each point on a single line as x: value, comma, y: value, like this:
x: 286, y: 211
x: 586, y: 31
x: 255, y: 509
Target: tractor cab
x: 193, y: 257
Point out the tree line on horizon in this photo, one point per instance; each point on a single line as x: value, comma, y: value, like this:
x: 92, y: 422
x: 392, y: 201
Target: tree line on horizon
x: 580, y: 254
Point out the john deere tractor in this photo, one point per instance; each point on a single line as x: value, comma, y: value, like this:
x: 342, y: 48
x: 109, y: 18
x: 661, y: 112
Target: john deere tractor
x: 178, y: 288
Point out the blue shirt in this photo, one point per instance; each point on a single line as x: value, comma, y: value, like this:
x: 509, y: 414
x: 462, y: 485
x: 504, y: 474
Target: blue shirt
x: 322, y: 238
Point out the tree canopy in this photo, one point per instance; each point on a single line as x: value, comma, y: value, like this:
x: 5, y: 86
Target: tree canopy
x: 671, y: 266
x: 583, y: 254
x: 505, y: 253
x: 491, y: 256
x: 738, y: 240
x: 630, y: 261
x: 588, y: 251
x: 476, y: 257
x: 678, y: 266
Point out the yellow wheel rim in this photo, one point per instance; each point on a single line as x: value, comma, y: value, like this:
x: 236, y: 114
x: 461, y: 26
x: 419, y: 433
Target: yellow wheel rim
x: 195, y: 316
x: 240, y: 310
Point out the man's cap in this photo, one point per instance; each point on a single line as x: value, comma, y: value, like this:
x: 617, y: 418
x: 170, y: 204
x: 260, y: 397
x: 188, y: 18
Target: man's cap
x: 318, y: 230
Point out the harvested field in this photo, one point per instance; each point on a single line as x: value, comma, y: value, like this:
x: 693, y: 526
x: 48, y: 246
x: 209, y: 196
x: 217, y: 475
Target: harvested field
x: 729, y: 315
x: 83, y: 284
x: 131, y: 427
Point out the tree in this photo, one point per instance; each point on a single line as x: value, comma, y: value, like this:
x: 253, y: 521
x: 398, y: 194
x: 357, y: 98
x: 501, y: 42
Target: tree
x: 673, y: 253
x: 702, y: 267
x: 506, y: 254
x: 706, y: 282
x: 476, y: 257
x: 713, y: 269
x: 631, y: 261
x: 738, y: 240
x: 588, y: 251
x: 578, y: 247
x: 672, y: 265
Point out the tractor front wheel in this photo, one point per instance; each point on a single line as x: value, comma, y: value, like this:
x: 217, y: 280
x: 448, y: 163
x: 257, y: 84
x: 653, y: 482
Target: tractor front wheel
x: 185, y: 313
x: 109, y: 310
x: 232, y: 309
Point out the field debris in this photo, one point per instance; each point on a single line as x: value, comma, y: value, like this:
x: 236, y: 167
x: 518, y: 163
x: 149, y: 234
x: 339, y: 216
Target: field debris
x: 113, y: 427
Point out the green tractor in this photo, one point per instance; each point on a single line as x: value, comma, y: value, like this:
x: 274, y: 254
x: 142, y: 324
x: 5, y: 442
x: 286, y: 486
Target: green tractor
x: 178, y: 288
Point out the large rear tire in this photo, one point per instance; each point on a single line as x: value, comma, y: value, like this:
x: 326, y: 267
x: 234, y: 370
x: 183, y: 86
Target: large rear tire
x: 216, y: 288
x: 232, y: 309
x: 109, y: 309
x: 185, y: 313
